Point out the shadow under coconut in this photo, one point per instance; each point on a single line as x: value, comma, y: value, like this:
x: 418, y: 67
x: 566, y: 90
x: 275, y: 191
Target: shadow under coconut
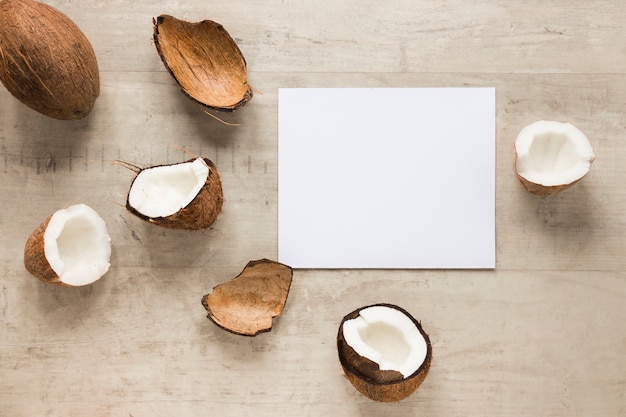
x: 32, y: 121
x: 370, y: 408
x: 237, y: 350
x: 217, y: 126
x: 166, y: 248
x: 44, y: 143
x: 62, y: 309
x: 570, y: 210
x: 569, y: 217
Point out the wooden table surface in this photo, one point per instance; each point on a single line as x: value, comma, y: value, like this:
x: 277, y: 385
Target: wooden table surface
x: 543, y: 334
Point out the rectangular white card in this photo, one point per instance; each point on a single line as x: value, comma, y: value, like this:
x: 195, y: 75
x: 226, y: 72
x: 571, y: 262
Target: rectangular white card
x: 386, y: 177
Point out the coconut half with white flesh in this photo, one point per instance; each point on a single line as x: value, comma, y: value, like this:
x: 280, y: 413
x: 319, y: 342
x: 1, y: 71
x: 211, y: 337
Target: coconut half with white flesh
x: 551, y: 156
x: 384, y: 352
x: 186, y: 195
x: 71, y: 247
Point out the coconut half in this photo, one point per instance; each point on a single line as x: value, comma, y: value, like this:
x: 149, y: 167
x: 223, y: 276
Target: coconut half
x: 204, y: 60
x: 551, y: 156
x: 71, y: 247
x: 384, y: 352
x: 248, y: 303
x: 186, y: 195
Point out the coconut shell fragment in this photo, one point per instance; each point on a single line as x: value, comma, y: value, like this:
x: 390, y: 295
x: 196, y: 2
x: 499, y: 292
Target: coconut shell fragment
x: 46, y: 61
x: 247, y: 304
x: 368, y: 376
x: 205, y: 62
x: 186, y: 195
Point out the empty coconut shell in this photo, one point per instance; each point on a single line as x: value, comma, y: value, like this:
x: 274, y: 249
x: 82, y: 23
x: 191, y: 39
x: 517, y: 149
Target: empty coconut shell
x: 46, y: 61
x: 204, y: 60
x: 400, y: 350
x: 186, y: 195
x: 247, y: 304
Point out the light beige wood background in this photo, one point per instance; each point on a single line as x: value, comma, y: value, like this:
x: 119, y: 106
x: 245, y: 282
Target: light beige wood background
x: 543, y: 334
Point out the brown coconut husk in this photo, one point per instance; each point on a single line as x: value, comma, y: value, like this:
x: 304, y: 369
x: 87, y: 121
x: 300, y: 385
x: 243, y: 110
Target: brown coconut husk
x: 205, y: 62
x: 35, y: 257
x: 368, y: 379
x: 247, y: 304
x: 200, y: 213
x: 46, y: 61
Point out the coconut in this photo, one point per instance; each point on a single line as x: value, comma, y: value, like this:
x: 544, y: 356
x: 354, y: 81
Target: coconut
x: 205, y: 62
x: 384, y: 352
x: 247, y: 304
x: 186, y: 195
x: 71, y: 247
x: 551, y: 156
x: 46, y: 61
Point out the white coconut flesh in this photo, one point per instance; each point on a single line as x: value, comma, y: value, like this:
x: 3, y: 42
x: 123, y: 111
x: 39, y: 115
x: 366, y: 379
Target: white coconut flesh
x: 77, y: 245
x: 388, y: 337
x: 164, y: 190
x: 553, y: 153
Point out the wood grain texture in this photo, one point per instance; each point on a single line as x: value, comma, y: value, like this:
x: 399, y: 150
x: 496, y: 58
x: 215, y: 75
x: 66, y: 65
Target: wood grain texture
x: 542, y: 334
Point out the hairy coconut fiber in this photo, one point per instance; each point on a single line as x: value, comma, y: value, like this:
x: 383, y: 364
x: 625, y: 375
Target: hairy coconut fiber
x: 46, y: 62
x: 368, y: 379
x: 204, y: 60
x: 200, y: 213
x: 247, y: 304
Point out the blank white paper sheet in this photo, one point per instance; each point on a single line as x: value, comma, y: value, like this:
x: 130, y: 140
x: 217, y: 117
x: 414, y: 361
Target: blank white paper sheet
x: 386, y: 178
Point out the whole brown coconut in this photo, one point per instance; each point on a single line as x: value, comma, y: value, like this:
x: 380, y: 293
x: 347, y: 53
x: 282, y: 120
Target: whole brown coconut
x: 46, y: 62
x: 204, y: 60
